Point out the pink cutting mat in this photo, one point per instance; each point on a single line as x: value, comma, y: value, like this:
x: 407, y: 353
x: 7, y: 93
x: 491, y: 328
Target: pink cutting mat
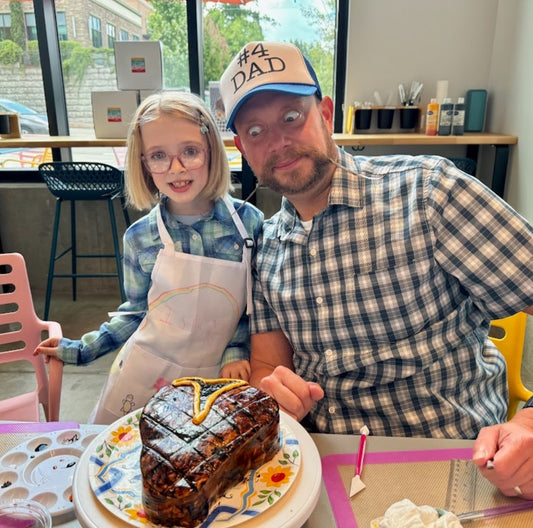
x: 444, y: 478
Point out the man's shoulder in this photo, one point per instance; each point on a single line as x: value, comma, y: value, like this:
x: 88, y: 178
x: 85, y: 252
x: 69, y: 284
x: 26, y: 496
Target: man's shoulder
x: 389, y: 163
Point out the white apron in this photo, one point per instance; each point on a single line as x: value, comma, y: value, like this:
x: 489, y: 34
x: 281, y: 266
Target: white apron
x: 194, y: 306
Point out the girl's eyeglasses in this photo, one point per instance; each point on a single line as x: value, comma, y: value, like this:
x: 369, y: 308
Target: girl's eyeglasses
x: 190, y: 158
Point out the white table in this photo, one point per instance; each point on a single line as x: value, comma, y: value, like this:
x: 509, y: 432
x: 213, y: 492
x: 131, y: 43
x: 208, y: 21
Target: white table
x: 322, y: 515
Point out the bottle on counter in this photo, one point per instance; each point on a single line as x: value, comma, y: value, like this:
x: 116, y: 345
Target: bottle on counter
x: 432, y: 118
x: 445, y: 117
x: 458, y: 121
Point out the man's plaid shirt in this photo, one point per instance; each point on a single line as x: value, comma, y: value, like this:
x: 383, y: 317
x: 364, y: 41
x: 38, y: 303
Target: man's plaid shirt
x: 388, y: 299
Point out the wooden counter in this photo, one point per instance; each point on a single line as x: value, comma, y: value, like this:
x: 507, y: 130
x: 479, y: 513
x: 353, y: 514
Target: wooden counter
x: 484, y: 138
x: 472, y: 141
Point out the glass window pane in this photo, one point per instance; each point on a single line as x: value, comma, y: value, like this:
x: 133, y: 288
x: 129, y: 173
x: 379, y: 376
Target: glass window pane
x: 87, y: 31
x: 22, y: 94
x: 229, y: 25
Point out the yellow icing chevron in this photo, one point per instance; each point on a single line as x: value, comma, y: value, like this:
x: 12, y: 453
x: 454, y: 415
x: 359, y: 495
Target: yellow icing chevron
x: 197, y: 383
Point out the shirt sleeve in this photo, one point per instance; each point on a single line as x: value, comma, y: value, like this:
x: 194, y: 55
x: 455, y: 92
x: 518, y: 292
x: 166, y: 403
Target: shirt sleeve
x: 114, y: 333
x: 239, y: 346
x: 481, y: 241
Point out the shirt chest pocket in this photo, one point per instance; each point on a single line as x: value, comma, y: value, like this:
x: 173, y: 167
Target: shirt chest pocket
x: 388, y: 303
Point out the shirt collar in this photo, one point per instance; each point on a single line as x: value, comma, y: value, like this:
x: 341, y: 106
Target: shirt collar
x: 218, y: 212
x: 347, y: 188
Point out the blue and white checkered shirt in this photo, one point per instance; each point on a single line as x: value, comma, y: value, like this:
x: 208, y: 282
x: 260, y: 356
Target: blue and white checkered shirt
x: 388, y: 299
x: 215, y: 235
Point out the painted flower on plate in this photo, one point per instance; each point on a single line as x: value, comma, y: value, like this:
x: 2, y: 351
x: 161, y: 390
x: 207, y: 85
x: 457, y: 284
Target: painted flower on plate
x: 123, y: 435
x: 276, y: 476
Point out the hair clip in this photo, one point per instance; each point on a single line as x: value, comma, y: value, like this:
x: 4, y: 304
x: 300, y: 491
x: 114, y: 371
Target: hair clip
x: 204, y: 129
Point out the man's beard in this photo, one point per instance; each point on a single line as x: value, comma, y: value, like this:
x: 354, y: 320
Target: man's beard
x: 299, y: 180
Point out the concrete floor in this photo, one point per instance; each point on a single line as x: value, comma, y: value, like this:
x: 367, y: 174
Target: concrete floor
x: 82, y: 384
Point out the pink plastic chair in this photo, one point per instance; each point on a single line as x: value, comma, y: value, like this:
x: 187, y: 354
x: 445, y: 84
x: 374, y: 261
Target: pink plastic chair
x: 20, y: 333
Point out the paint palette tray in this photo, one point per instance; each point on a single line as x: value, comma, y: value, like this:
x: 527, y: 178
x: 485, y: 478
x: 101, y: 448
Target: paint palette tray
x: 42, y: 469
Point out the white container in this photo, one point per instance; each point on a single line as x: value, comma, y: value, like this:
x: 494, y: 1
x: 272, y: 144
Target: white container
x: 113, y: 112
x: 139, y: 65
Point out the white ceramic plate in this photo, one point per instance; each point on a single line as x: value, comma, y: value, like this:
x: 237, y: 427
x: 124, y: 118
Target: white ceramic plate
x: 290, y: 510
x: 115, y: 478
x: 42, y: 469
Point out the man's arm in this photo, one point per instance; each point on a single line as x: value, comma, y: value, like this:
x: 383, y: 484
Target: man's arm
x: 268, y: 350
x: 529, y: 310
x: 273, y: 372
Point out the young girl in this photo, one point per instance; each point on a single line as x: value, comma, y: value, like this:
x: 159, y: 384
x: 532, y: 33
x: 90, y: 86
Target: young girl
x: 186, y: 263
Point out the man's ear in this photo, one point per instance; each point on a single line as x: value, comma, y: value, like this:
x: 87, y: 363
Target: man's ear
x: 238, y: 144
x: 326, y: 109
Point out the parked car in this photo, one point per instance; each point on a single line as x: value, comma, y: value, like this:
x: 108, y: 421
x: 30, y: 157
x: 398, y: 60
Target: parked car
x: 31, y: 121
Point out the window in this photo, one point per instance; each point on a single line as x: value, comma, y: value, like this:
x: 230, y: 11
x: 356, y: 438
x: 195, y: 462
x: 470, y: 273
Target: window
x: 87, y: 59
x: 111, y: 35
x: 31, y: 28
x: 95, y: 30
x: 5, y: 26
x: 62, y: 26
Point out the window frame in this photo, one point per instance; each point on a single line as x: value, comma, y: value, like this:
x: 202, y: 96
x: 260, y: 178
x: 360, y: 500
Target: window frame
x: 53, y: 82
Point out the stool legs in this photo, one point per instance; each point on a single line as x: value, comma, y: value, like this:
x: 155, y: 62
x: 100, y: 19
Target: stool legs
x: 74, y: 252
x: 51, y: 264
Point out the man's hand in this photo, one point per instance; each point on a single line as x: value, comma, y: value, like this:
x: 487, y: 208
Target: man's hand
x: 294, y: 395
x: 509, y: 448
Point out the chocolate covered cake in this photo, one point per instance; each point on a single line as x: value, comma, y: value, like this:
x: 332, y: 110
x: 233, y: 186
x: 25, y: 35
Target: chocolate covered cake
x: 199, y: 438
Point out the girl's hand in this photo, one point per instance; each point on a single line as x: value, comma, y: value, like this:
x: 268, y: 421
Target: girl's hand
x: 236, y: 370
x: 47, y: 348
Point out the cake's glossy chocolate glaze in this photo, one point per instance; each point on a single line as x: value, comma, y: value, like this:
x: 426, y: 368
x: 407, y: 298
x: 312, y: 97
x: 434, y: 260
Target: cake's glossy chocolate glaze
x: 186, y: 467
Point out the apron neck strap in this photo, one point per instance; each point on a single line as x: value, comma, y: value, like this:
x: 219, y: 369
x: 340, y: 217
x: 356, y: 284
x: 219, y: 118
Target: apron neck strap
x: 246, y: 251
x: 163, y: 232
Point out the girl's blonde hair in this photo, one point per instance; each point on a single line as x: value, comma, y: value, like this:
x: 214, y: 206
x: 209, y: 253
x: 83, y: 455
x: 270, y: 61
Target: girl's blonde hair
x: 141, y: 191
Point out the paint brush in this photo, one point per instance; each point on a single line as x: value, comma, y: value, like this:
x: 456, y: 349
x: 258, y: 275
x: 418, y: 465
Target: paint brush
x: 495, y: 512
x: 357, y: 484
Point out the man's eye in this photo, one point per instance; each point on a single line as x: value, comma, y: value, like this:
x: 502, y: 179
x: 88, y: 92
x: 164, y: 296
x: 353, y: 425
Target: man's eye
x: 292, y: 116
x: 254, y: 131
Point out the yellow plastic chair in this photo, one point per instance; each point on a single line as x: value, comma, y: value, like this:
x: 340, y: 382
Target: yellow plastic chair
x: 508, y: 335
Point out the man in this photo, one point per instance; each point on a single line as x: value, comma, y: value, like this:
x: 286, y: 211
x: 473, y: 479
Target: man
x: 377, y: 279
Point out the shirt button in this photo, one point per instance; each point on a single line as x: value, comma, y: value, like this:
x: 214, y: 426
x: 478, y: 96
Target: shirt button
x: 319, y: 300
x: 332, y: 410
x: 195, y: 237
x: 329, y: 353
x: 236, y: 246
x: 313, y: 252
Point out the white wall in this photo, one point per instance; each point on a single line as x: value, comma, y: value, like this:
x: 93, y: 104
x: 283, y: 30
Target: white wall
x: 470, y: 43
x: 392, y: 42
x: 511, y: 79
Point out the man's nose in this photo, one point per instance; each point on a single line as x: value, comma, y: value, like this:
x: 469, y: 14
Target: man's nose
x: 279, y: 137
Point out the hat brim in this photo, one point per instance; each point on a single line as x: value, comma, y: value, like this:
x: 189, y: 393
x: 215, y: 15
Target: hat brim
x: 291, y: 89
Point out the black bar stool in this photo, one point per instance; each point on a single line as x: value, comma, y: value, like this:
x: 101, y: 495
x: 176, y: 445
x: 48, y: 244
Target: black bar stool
x: 78, y: 181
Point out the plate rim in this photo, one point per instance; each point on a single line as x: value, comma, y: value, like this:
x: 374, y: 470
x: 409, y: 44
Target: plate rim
x: 105, y: 434
x: 292, y: 511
